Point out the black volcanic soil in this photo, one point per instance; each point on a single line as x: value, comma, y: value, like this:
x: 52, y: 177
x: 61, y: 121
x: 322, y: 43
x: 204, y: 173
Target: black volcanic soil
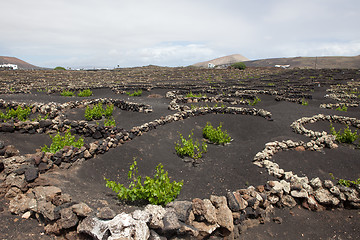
x: 221, y: 169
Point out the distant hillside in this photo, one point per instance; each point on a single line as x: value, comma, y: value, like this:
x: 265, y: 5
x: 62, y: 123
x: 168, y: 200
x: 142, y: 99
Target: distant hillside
x: 309, y: 62
x: 223, y: 60
x: 21, y: 64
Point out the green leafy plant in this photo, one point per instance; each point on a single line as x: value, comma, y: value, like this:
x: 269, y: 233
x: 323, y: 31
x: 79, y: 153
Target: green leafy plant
x: 239, y: 65
x: 192, y: 107
x: 157, y: 190
x: 59, y: 68
x: 347, y: 136
x: 271, y: 84
x: 304, y: 103
x: 20, y: 114
x: 254, y: 102
x: 343, y: 108
x: 216, y: 135
x: 221, y: 106
x: 59, y: 142
x: 67, y: 93
x: 109, y: 110
x: 97, y: 111
x: 85, y: 93
x: 135, y: 93
x: 110, y: 122
x: 191, y: 95
x: 345, y: 182
x: 39, y: 118
x: 189, y: 147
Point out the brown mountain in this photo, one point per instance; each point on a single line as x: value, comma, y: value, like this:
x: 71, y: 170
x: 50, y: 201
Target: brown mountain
x: 20, y: 63
x: 223, y: 60
x: 309, y: 62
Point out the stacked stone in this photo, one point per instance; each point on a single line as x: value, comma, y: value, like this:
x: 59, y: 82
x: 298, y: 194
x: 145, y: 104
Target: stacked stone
x: 176, y: 99
x: 121, y: 104
x: 298, y: 126
x: 336, y: 105
x: 314, y: 194
x: 342, y: 96
x: 57, y: 121
x: 294, y: 100
x: 218, y: 216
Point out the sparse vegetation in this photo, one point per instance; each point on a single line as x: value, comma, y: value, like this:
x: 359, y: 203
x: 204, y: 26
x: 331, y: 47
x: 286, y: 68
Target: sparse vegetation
x: 347, y: 136
x: 59, y: 68
x: 345, y: 182
x: 85, y: 93
x: 239, y: 65
x: 189, y: 147
x: 304, y: 102
x: 67, y: 93
x: 20, y: 114
x: 59, y: 142
x: 343, y: 108
x: 191, y: 95
x: 216, y: 135
x: 135, y: 93
x: 110, y: 122
x: 39, y: 118
x: 254, y: 102
x: 97, y: 111
x: 157, y: 190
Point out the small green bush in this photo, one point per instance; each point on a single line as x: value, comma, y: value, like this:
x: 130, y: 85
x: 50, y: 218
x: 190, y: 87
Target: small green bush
x: 216, y: 135
x: 239, y: 65
x: 110, y: 122
x: 135, y: 93
x: 345, y: 182
x: 85, y: 93
x: 66, y: 93
x: 189, y: 147
x: 59, y: 68
x: 158, y: 190
x: 343, y: 108
x: 39, y: 118
x: 191, y: 95
x: 304, y: 103
x: 97, y: 111
x: 20, y: 114
x: 254, y: 102
x: 109, y: 110
x: 347, y: 136
x: 59, y: 142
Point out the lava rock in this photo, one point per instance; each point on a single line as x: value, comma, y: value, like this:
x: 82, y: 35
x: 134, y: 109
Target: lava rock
x: 68, y: 218
x: 2, y: 167
x: 45, y: 123
x: 31, y: 174
x: 7, y: 127
x: 106, y: 213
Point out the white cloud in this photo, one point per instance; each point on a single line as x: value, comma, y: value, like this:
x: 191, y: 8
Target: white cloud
x: 132, y: 33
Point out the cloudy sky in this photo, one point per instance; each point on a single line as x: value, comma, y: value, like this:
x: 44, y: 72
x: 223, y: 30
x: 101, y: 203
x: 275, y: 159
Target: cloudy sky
x: 107, y: 33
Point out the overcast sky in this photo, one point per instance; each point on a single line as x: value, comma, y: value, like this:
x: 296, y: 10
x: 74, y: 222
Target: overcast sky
x: 107, y: 33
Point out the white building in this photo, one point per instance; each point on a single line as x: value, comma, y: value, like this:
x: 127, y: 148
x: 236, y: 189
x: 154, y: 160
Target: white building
x: 9, y: 65
x: 211, y: 65
x: 282, y: 66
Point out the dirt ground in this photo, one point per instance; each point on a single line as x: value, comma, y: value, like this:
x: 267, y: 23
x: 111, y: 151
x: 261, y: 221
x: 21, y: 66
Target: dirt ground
x: 221, y: 169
